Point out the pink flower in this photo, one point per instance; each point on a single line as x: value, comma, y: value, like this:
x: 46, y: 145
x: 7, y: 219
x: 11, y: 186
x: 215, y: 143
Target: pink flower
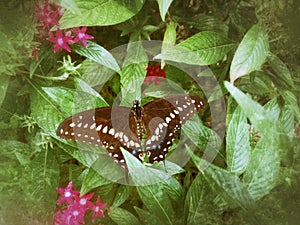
x: 67, y: 194
x: 81, y: 35
x: 61, y: 218
x: 48, y: 13
x: 84, y: 201
x: 75, y: 214
x: 61, y: 41
x: 155, y: 74
x: 97, y: 208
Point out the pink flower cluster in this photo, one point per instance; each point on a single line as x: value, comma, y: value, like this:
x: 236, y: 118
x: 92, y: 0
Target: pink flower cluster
x: 48, y: 15
x: 74, y: 207
x: 155, y: 74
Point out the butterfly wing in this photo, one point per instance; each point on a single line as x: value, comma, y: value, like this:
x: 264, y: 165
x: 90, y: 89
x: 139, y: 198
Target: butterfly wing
x: 106, y: 126
x: 162, y: 118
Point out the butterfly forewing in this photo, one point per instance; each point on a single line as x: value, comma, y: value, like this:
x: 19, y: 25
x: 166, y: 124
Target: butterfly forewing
x: 162, y: 118
x: 108, y: 126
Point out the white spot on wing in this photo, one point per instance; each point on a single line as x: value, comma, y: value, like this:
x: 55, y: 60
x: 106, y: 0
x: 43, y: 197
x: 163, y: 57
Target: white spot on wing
x: 93, y: 126
x: 99, y: 127
x: 168, y: 119
x: 112, y: 131
x: 105, y: 129
x: 72, y: 124
x: 131, y: 142
x: 125, y: 138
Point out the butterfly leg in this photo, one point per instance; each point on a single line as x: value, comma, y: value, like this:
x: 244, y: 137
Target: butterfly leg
x: 164, y: 162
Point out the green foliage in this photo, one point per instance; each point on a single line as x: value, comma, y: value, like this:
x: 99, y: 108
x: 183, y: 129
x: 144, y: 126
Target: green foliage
x: 204, y: 48
x: 237, y: 142
x: 217, y: 172
x: 99, y: 13
x: 251, y: 53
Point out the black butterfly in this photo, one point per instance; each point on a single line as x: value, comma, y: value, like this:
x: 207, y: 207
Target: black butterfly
x: 146, y: 129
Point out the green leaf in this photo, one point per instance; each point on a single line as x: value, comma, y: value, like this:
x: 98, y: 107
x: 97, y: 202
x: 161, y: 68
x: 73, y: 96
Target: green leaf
x: 11, y: 149
x: 203, y: 48
x: 148, y: 217
x: 133, y: 72
x: 287, y: 122
x: 163, y: 7
x: 261, y: 173
x: 108, y: 169
x: 169, y: 36
x: 175, y: 191
x: 157, y: 202
x: 258, y: 83
x: 83, y: 86
x: 273, y: 108
x: 198, y: 205
x: 95, y: 74
x: 123, y: 217
x: 225, y: 183
x: 292, y: 103
x: 92, y: 180
x: 202, y: 136
x: 41, y: 194
x: 146, y: 175
x: 251, y: 53
x: 204, y: 22
x: 85, y: 154
x: 3, y: 87
x: 97, y: 54
x: 72, y: 101
x: 263, y: 169
x: 99, y: 12
x: 122, y: 195
x: 260, y: 117
x: 282, y: 72
x: 45, y: 113
x: 70, y: 5
x: 237, y: 142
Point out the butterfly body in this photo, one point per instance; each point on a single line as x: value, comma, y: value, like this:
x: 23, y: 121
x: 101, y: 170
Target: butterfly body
x: 144, y: 129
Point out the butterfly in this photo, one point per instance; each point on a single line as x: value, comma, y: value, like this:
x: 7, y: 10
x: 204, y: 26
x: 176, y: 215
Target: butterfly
x: 147, y: 130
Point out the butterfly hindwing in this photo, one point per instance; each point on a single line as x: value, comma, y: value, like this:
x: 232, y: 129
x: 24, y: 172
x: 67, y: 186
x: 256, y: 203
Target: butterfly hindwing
x: 162, y: 118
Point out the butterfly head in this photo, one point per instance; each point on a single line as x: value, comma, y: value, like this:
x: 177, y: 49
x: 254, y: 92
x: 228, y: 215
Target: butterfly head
x: 136, y: 104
